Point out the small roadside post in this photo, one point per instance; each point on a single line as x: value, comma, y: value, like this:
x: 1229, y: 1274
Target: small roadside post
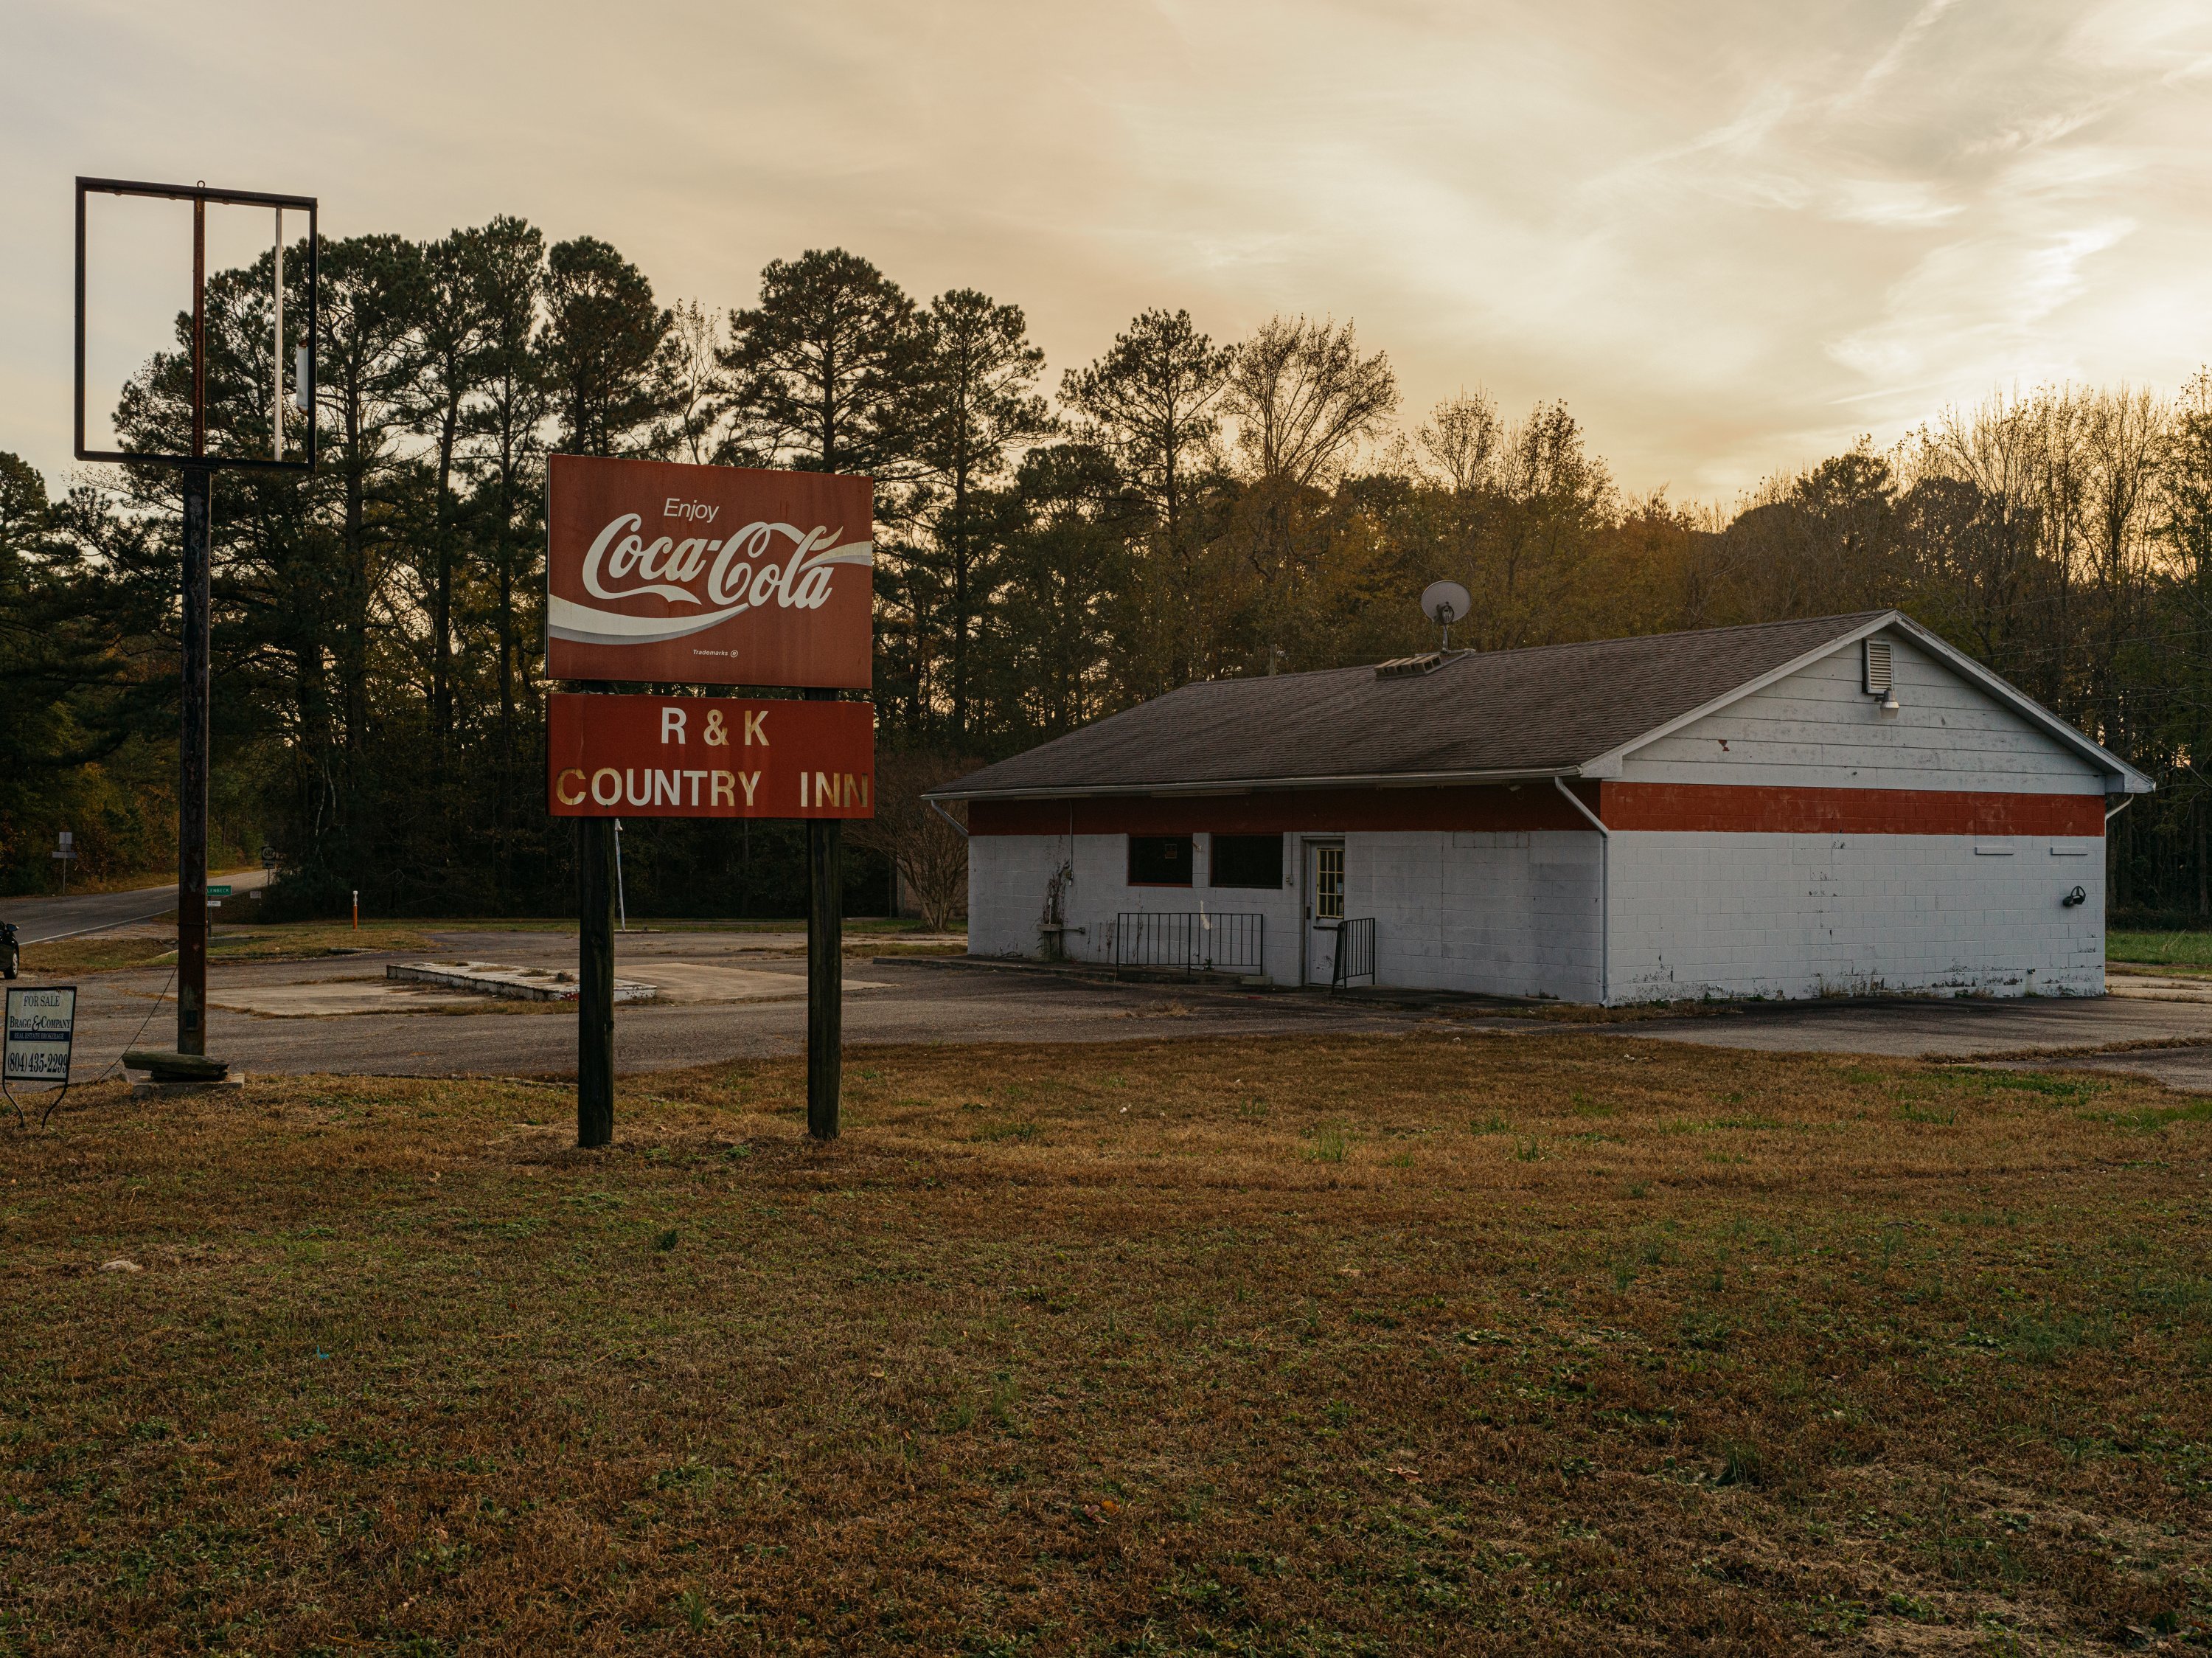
x: 689, y: 576
x: 64, y: 855
x: 622, y: 903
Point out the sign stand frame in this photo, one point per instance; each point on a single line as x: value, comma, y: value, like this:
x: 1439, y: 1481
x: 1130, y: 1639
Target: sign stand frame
x: 619, y: 504
x: 197, y: 468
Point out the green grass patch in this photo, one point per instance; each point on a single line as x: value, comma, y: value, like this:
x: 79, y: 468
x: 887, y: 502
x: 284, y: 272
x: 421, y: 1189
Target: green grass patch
x: 2179, y: 949
x: 2146, y: 1119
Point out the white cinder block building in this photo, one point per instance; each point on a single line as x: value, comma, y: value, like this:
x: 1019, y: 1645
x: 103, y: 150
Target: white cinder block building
x: 1843, y: 805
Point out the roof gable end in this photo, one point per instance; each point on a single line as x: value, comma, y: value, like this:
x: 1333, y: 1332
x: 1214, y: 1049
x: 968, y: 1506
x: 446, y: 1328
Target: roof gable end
x: 2120, y: 777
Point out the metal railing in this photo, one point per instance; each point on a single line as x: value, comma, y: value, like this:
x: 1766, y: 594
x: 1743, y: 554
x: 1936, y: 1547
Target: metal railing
x: 1193, y: 941
x: 1355, y: 953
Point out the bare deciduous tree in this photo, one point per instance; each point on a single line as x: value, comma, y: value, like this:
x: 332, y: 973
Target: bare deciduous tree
x: 1304, y: 400
x: 930, y: 855
x: 698, y: 388
x: 1461, y: 439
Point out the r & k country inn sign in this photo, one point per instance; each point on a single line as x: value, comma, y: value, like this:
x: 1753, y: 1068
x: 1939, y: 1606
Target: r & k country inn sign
x: 707, y: 575
x: 707, y: 757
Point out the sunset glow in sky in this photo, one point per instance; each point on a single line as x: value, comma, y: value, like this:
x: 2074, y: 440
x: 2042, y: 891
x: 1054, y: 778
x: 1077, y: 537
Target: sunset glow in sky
x: 1732, y: 236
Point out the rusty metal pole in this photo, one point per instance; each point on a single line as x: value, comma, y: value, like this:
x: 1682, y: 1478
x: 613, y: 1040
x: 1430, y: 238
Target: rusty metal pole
x: 192, y: 776
x: 192, y: 725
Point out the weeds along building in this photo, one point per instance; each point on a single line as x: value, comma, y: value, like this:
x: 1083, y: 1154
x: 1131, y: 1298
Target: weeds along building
x: 1843, y: 805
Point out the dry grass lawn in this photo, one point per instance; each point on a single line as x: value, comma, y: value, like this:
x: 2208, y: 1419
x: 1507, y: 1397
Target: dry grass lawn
x: 1552, y: 1343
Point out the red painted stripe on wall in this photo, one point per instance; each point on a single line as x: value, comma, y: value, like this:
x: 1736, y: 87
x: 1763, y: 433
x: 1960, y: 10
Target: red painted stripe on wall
x: 1754, y: 809
x: 1286, y: 811
x: 1708, y: 808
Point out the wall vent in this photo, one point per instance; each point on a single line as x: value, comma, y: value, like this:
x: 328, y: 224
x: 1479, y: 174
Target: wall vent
x: 1877, y: 667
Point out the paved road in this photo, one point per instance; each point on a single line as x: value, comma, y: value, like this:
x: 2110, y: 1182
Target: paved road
x: 37, y: 918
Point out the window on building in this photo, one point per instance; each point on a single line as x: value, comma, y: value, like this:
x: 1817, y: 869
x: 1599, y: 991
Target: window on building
x: 1159, y: 860
x: 1245, y: 861
x: 1328, y: 883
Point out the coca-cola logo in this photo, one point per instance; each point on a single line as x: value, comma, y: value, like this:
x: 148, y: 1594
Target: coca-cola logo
x: 715, y: 577
x: 657, y: 572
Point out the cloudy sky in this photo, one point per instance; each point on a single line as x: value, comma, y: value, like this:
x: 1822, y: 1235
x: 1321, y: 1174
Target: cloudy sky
x: 1731, y: 234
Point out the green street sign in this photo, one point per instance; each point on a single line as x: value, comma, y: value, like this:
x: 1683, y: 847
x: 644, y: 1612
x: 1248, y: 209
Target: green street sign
x: 218, y: 891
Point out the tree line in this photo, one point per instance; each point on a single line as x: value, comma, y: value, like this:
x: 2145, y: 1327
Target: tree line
x: 1180, y: 508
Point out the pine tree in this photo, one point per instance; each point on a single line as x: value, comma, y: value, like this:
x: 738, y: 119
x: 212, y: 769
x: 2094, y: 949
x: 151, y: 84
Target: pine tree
x: 974, y: 406
x: 823, y: 369
x: 601, y: 350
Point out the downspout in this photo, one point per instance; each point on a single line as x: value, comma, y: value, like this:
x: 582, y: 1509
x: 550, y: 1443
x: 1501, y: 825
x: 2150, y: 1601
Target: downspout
x: 1604, y: 891
x: 2126, y: 800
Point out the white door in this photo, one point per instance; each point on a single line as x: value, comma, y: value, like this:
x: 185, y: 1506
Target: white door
x: 1324, y: 908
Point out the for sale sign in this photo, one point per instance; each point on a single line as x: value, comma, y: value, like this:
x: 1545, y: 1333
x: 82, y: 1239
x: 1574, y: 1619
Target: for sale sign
x: 40, y: 1030
x: 708, y: 757
x: 707, y: 575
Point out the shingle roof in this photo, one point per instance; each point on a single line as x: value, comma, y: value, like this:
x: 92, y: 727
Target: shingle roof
x: 1549, y: 709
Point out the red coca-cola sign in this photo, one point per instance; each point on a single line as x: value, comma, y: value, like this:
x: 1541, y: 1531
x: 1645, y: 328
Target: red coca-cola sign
x: 708, y: 757
x: 707, y: 575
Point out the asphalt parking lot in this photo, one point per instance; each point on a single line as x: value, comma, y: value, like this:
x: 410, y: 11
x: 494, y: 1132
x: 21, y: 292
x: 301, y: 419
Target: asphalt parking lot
x: 724, y: 995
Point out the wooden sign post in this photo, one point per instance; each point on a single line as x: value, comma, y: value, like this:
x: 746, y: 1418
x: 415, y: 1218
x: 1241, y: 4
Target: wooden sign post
x: 595, y: 982
x: 707, y: 576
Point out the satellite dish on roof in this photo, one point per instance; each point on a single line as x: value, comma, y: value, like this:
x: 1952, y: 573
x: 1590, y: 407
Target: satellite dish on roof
x: 1444, y: 603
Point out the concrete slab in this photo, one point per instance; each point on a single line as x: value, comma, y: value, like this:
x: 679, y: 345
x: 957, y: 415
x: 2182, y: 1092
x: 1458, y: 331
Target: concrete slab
x: 2158, y: 987
x: 1962, y: 1027
x: 145, y: 1087
x: 702, y: 982
x: 335, y: 998
x: 513, y: 984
